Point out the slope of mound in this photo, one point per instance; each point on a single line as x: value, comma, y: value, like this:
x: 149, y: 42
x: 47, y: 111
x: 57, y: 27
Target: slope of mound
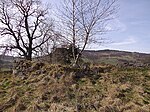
x: 41, y: 87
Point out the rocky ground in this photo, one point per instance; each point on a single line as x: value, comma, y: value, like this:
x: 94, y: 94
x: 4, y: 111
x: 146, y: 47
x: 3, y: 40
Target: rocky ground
x: 42, y: 87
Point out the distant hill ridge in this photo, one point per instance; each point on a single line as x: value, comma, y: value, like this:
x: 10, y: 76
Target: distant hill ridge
x: 115, y: 51
x: 114, y: 57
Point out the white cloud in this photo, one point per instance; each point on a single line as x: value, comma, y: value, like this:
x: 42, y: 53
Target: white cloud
x: 139, y: 22
x: 129, y: 40
x: 116, y: 24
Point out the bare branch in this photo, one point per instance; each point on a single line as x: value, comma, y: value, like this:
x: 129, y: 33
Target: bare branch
x: 83, y: 19
x: 25, y: 21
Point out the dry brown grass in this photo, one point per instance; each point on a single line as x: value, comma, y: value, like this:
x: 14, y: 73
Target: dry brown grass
x: 58, y: 88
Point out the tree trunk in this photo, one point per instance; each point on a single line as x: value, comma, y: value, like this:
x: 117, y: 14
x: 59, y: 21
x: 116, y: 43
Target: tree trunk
x: 29, y: 57
x: 29, y: 54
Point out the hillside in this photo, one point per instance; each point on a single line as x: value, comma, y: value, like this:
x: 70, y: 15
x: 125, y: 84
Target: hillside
x: 115, y: 57
x: 6, y: 61
x: 43, y: 87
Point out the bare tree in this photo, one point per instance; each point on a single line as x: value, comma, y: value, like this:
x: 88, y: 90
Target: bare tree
x: 84, y: 20
x: 26, y: 23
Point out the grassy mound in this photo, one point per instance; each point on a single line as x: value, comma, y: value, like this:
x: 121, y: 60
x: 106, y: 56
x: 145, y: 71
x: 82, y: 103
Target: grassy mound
x: 41, y: 87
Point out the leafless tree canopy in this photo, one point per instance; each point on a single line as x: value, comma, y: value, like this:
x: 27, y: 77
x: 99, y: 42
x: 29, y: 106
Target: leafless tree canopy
x: 83, y: 19
x: 26, y: 23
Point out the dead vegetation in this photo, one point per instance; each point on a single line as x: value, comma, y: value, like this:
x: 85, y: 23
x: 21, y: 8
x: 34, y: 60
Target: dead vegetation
x: 41, y: 87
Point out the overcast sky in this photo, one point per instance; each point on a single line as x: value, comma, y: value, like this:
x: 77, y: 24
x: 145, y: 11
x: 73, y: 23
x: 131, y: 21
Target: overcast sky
x: 133, y: 22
